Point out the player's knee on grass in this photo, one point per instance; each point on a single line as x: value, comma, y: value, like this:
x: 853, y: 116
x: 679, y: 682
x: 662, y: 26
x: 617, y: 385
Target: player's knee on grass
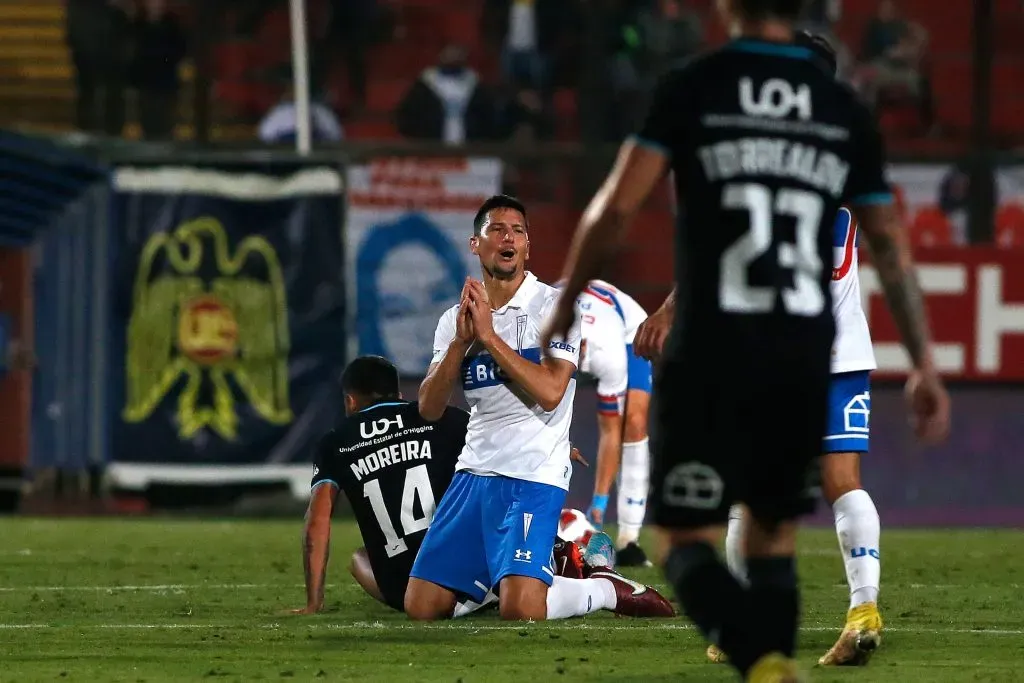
x: 523, y: 598
x: 637, y: 408
x: 425, y: 601
x: 840, y: 474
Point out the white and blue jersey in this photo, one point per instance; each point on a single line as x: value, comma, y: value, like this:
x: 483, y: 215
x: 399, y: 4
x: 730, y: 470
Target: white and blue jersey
x: 609, y: 320
x: 500, y: 515
x: 853, y: 357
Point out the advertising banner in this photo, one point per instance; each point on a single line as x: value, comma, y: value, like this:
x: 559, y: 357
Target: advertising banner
x: 230, y: 305
x: 407, y: 250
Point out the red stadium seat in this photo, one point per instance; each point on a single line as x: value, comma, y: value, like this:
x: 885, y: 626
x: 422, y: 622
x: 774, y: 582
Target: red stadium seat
x: 931, y: 228
x: 1010, y: 226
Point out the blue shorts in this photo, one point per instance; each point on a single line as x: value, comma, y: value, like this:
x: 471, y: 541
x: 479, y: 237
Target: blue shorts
x: 849, y: 413
x: 639, y: 371
x: 487, y: 528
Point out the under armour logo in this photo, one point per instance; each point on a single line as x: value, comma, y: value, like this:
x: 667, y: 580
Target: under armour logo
x: 693, y: 485
x: 635, y: 501
x: 523, y: 556
x: 368, y: 430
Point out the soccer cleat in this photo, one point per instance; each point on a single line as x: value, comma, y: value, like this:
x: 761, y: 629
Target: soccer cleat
x: 568, y: 558
x: 600, y: 551
x: 860, y: 638
x: 632, y: 555
x: 716, y: 655
x: 774, y: 668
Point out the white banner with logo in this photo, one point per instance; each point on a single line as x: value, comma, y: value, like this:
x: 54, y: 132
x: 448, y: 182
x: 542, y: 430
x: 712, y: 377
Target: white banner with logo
x: 407, y: 250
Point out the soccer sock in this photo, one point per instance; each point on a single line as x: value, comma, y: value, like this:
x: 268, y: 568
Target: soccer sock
x: 634, y: 480
x: 576, y: 597
x: 734, y: 544
x: 859, y: 532
x: 775, y: 597
x: 716, y: 602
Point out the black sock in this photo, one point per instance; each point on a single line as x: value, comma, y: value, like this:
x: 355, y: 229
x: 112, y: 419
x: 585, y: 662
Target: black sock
x: 774, y: 594
x: 715, y: 602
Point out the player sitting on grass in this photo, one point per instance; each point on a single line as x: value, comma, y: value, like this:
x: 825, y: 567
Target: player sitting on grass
x: 387, y: 459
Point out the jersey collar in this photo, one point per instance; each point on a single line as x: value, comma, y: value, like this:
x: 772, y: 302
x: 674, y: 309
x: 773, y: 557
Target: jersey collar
x: 382, y: 404
x: 523, y: 295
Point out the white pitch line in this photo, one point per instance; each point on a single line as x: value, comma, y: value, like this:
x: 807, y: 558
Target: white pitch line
x: 472, y: 628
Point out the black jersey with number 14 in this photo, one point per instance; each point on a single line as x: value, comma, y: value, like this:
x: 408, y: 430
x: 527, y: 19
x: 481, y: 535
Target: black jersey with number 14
x: 393, y: 466
x: 765, y: 146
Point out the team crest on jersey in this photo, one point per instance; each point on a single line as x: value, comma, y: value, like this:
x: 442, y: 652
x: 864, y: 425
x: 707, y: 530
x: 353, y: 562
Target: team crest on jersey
x: 185, y: 323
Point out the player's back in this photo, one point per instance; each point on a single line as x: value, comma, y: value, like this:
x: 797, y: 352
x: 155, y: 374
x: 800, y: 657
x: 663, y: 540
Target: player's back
x: 393, y: 466
x: 764, y: 147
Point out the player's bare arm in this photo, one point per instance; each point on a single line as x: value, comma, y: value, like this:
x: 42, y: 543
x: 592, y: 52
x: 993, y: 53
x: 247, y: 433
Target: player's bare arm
x: 545, y: 383
x: 651, y: 335
x: 436, y: 389
x: 892, y: 258
x: 316, y: 545
x: 637, y: 171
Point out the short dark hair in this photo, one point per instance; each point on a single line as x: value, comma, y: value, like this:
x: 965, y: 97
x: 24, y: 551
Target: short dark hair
x: 371, y: 377
x: 821, y: 48
x: 764, y: 9
x: 498, y: 201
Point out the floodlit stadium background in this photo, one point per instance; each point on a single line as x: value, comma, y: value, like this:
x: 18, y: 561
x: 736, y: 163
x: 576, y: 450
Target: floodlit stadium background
x: 174, y: 121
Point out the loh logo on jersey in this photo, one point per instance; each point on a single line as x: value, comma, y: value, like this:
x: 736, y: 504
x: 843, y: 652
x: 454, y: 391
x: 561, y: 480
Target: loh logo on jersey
x: 857, y: 413
x: 368, y: 430
x: 776, y: 99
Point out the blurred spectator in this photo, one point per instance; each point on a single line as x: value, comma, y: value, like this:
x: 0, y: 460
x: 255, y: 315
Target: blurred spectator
x: 160, y: 49
x: 279, y: 126
x: 893, y: 57
x: 821, y: 16
x: 99, y: 38
x: 527, y: 32
x: 448, y: 103
x: 628, y: 68
x: 674, y: 32
x: 524, y: 115
x: 352, y: 28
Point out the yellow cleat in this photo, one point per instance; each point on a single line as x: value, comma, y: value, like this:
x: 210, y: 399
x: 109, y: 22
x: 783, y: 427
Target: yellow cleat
x: 860, y: 638
x: 716, y: 655
x: 774, y: 668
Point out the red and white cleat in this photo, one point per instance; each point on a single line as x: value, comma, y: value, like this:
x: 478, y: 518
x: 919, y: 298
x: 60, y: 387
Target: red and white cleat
x: 632, y: 599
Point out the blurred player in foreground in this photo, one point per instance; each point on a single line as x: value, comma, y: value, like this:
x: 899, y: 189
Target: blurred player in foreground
x: 392, y: 466
x: 609, y: 319
x: 849, y: 410
x: 764, y: 147
x: 496, y: 524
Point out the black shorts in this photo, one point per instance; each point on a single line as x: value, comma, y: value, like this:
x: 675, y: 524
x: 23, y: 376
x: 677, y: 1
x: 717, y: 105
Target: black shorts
x: 739, y: 435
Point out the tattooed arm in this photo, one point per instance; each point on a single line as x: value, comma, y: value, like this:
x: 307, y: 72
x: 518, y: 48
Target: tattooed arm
x: 316, y: 542
x: 887, y: 241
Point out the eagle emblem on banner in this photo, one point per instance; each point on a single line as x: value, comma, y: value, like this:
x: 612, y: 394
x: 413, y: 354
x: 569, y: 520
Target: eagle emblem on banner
x: 217, y: 337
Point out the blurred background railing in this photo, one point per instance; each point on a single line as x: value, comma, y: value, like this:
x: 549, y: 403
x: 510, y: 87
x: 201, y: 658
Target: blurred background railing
x: 418, y: 108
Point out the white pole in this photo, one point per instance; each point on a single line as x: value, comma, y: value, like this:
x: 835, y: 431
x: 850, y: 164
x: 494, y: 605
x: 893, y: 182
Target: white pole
x: 300, y: 76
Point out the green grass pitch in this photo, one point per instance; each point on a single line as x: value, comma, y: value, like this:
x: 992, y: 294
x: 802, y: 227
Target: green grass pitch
x: 172, y: 600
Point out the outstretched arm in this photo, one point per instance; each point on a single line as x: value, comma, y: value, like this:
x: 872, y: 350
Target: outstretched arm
x: 316, y: 544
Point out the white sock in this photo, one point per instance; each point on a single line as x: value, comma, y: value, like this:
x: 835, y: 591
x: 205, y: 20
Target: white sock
x: 468, y: 606
x: 859, y: 531
x: 576, y: 597
x: 734, y: 544
x: 634, y: 482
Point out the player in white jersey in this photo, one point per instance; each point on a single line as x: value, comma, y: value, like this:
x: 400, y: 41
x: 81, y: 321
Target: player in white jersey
x: 849, y: 410
x: 497, y: 522
x: 609, y: 320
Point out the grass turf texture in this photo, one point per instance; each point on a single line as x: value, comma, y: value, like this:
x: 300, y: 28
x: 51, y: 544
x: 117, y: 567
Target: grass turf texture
x: 163, y: 600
